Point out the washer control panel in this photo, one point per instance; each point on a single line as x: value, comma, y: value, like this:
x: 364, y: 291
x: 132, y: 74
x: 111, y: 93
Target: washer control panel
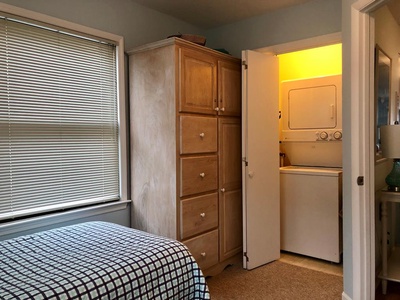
x: 312, y: 135
x: 329, y: 135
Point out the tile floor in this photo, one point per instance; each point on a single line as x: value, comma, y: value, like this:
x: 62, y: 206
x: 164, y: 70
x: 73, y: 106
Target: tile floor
x: 312, y: 263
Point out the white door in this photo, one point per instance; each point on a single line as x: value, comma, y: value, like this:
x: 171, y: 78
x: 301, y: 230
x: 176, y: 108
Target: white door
x: 260, y: 149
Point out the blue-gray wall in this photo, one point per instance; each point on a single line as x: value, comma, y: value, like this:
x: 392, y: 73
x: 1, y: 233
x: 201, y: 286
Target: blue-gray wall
x: 137, y: 24
x: 315, y: 18
x: 140, y: 25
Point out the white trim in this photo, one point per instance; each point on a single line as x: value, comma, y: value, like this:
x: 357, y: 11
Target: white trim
x: 367, y: 6
x: 371, y: 157
x: 362, y: 157
x: 345, y: 296
x: 357, y: 162
x: 359, y: 155
x: 123, y: 163
x: 32, y: 223
x: 24, y: 13
x: 314, y: 42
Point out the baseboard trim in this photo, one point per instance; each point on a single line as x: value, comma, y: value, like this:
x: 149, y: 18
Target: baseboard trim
x: 60, y: 217
x: 345, y: 296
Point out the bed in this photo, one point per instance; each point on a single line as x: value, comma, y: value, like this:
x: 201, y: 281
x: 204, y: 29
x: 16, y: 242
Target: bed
x: 98, y: 260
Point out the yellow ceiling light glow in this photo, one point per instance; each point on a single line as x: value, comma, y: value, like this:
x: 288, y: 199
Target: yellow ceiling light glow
x: 316, y: 62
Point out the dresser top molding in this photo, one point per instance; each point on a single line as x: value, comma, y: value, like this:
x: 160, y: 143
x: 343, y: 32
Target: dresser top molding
x: 180, y: 42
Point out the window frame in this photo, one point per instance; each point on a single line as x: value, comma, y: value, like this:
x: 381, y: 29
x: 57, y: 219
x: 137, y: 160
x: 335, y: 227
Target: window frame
x: 120, y: 65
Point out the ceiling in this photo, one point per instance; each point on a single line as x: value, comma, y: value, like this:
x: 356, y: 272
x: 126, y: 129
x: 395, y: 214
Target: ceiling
x: 208, y: 14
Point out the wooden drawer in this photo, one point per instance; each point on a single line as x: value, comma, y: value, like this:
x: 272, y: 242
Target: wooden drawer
x: 204, y: 249
x: 198, y: 134
x: 198, y: 174
x: 198, y: 215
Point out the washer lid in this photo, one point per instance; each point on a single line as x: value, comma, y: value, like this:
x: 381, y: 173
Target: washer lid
x: 311, y: 171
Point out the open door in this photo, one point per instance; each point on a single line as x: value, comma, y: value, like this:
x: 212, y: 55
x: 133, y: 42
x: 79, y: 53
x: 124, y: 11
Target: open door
x: 260, y: 149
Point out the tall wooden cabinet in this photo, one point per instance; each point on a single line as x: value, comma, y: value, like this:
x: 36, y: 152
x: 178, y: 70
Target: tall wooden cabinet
x: 185, y: 106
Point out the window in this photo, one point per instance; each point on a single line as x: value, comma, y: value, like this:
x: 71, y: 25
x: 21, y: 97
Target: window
x: 60, y: 125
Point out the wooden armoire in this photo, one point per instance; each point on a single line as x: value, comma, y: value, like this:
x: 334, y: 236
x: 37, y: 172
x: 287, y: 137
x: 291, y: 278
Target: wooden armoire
x: 185, y: 132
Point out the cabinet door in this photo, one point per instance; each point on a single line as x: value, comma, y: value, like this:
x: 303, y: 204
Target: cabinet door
x: 230, y: 155
x: 229, y: 88
x: 230, y: 195
x: 198, y: 82
x: 230, y: 239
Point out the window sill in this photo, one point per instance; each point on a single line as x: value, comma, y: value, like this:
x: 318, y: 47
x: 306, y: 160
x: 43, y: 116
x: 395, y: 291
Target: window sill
x: 51, y: 219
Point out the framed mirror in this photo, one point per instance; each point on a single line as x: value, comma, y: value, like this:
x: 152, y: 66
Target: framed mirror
x: 383, y: 66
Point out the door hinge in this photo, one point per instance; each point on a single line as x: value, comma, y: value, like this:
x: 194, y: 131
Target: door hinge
x: 360, y: 180
x: 245, y: 161
x: 245, y: 255
x: 244, y: 64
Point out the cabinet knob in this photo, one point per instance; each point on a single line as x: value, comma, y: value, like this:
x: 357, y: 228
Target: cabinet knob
x: 223, y: 190
x: 216, y: 109
x: 202, y: 215
x: 202, y: 175
x: 222, y: 109
x: 203, y: 254
x: 202, y: 134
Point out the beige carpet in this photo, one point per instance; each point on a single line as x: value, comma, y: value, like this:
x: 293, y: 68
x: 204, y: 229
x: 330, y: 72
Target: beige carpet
x: 275, y: 281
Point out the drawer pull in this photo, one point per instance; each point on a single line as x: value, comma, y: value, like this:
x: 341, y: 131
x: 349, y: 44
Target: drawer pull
x: 202, y: 175
x: 202, y: 215
x: 203, y: 254
x: 223, y: 190
x: 202, y: 134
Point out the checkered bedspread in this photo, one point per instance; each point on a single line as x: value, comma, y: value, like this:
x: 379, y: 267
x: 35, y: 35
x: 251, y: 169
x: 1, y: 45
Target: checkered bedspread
x: 98, y: 260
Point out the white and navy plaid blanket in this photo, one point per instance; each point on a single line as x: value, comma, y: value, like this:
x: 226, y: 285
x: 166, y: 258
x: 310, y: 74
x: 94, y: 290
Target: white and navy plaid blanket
x: 98, y: 260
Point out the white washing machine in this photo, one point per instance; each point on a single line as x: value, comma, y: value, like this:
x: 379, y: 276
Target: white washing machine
x: 311, y: 188
x: 311, y: 205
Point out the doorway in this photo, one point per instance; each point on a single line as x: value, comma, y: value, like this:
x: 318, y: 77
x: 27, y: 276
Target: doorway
x: 358, y: 161
x: 387, y: 46
x: 303, y: 48
x: 310, y: 142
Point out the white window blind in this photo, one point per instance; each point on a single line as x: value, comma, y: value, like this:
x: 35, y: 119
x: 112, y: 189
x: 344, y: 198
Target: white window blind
x: 58, y: 120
